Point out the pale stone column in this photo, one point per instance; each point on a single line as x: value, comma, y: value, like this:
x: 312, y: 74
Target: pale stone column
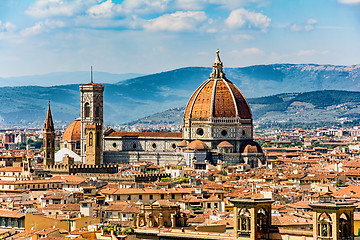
x: 172, y: 217
x: 253, y: 213
x: 315, y: 216
x: 137, y: 220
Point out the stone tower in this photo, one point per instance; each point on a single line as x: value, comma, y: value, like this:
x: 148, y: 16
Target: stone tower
x: 49, y: 139
x: 333, y: 220
x: 92, y: 122
x: 252, y: 218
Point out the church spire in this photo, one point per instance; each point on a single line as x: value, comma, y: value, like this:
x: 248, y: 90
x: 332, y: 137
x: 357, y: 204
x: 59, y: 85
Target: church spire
x: 49, y: 125
x: 91, y: 75
x: 217, y: 67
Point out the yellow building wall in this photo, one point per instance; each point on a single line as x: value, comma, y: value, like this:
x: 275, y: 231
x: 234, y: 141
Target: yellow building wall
x: 356, y: 227
x: 39, y: 222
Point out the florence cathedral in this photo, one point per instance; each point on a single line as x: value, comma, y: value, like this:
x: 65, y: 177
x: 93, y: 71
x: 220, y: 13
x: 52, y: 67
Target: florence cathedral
x: 217, y: 128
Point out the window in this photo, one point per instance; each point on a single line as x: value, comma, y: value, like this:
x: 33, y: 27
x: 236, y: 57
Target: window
x: 118, y: 198
x: 224, y: 133
x: 134, y: 146
x: 151, y: 196
x: 97, y: 139
x: 215, y: 205
x: 162, y: 196
x: 90, y: 139
x: 129, y: 197
x: 87, y: 110
x: 154, y: 145
x: 172, y: 196
x: 208, y: 205
x: 200, y: 131
x: 114, y: 145
x: 140, y: 197
x: 124, y: 215
x: 97, y: 112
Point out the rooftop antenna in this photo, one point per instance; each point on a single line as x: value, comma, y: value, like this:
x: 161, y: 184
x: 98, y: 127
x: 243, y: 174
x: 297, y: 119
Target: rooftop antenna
x: 91, y: 75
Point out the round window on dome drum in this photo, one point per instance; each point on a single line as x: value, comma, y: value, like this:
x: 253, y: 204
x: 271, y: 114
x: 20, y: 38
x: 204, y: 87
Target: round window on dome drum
x: 243, y: 132
x: 200, y: 131
x: 114, y: 145
x: 154, y: 145
x: 134, y: 146
x: 224, y: 133
x: 173, y: 145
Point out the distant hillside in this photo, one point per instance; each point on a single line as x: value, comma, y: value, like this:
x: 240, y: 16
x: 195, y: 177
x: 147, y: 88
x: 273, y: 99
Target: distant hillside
x: 128, y: 100
x: 328, y: 107
x: 63, y: 78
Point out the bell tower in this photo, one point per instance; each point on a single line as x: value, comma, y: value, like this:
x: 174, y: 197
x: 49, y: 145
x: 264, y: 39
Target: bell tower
x: 49, y: 139
x: 252, y: 218
x: 92, y: 122
x: 333, y: 220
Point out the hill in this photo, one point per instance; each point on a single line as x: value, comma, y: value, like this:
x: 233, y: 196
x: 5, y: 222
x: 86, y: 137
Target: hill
x: 318, y: 108
x: 64, y: 78
x: 131, y: 99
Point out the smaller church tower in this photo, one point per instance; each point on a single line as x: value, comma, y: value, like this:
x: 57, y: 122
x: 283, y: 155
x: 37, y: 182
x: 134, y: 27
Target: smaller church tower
x: 91, y: 122
x: 49, y: 139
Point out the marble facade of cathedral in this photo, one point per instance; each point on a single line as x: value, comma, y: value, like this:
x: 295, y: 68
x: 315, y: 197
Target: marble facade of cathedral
x: 218, y: 127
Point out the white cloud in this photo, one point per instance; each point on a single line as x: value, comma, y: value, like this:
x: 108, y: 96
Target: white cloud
x: 43, y: 26
x: 7, y: 27
x: 190, y: 4
x: 7, y: 30
x: 309, y: 52
x: 241, y: 37
x: 228, y: 4
x: 241, y: 17
x: 51, y: 8
x: 178, y: 21
x: 144, y: 6
x: 296, y: 28
x: 104, y: 9
x: 309, y: 26
x: 108, y: 8
x: 349, y: 1
x: 252, y: 51
x: 311, y: 21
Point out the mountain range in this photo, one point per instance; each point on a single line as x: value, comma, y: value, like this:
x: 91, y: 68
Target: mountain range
x: 134, y: 98
x: 318, y: 108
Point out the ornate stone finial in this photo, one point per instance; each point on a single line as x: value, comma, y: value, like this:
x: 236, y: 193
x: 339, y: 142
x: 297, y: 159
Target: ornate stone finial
x: 217, y: 67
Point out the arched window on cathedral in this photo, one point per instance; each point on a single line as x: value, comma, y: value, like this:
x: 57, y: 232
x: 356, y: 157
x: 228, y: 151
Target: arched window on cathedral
x: 87, y: 110
x: 90, y: 139
x: 344, y: 226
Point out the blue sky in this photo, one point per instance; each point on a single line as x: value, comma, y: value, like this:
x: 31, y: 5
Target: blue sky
x: 149, y: 36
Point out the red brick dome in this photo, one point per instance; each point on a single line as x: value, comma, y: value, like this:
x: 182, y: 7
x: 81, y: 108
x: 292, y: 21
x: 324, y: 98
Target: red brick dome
x: 217, y: 97
x: 73, y: 131
x: 197, y: 145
